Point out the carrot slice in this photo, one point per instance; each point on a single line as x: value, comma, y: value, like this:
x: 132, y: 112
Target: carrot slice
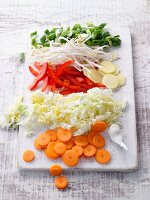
x: 64, y: 135
x: 49, y: 152
x: 89, y: 150
x: 91, y: 134
x: 28, y: 156
x: 69, y: 144
x: 60, y: 148
x: 98, y: 141
x: 52, y: 134
x: 99, y: 126
x: 70, y: 158
x: 81, y: 140
x: 61, y: 182
x: 102, y: 156
x: 55, y: 170
x: 43, y: 140
x: 36, y: 145
x: 78, y: 150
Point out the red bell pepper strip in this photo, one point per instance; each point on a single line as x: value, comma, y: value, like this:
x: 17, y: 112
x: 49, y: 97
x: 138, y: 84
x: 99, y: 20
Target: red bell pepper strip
x: 37, y: 65
x: 66, y: 92
x: 100, y: 85
x: 33, y: 71
x: 80, y: 79
x: 61, y: 67
x: 72, y: 72
x: 75, y: 82
x: 89, y: 82
x: 40, y: 77
x: 45, y: 84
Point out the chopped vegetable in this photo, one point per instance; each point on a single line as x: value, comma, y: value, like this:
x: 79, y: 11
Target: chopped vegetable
x: 89, y: 150
x: 98, y: 141
x: 43, y: 140
x: 99, y: 126
x: 64, y: 135
x: 102, y: 156
x: 70, y: 158
x: 81, y: 140
x: 78, y: 150
x: 55, y: 170
x: 61, y: 182
x: 14, y: 114
x: 60, y: 148
x: 28, y: 156
x: 108, y: 67
x: 92, y: 35
x: 78, y: 111
x: 50, y: 153
x: 121, y: 79
x: 110, y: 81
x: 36, y: 145
x: 91, y: 135
x: 52, y: 134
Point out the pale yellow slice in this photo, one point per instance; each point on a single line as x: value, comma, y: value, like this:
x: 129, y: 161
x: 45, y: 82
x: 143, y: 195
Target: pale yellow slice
x: 108, y: 67
x: 117, y: 71
x: 121, y: 79
x: 110, y: 81
x: 93, y: 74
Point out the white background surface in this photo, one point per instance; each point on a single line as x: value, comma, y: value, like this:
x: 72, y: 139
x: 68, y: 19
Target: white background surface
x: 18, y: 17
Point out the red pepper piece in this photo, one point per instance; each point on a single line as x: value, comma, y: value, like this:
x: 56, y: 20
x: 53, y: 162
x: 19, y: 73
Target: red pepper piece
x: 72, y: 72
x: 89, y: 82
x: 80, y: 79
x: 66, y: 92
x: 33, y: 71
x: 100, y: 85
x: 40, y: 77
x: 73, y: 80
x: 37, y: 65
x: 45, y: 84
x: 61, y: 67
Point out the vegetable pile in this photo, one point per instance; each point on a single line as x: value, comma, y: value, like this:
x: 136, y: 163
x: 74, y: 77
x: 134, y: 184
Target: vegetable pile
x: 64, y: 78
x: 92, y: 36
x: 77, y: 111
x: 62, y: 144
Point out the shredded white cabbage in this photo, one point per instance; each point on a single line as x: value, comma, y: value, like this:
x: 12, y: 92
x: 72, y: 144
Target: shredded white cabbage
x: 13, y: 116
x: 76, y: 111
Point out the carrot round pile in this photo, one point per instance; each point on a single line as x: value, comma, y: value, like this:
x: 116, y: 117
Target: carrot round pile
x: 62, y: 144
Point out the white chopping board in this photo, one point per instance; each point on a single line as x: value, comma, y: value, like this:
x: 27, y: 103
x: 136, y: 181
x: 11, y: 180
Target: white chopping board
x: 121, y: 160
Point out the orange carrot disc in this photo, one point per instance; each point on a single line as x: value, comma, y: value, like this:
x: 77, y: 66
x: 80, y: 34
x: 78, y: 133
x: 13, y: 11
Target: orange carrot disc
x: 89, y: 150
x: 52, y: 134
x: 98, y: 141
x: 43, y: 140
x: 81, y: 140
x: 36, y: 145
x: 91, y: 134
x: 64, y: 135
x: 55, y: 170
x: 50, y: 153
x: 61, y: 182
x: 60, y: 148
x: 78, y: 149
x: 69, y: 144
x: 28, y: 156
x: 102, y: 156
x: 99, y: 126
x: 70, y: 158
